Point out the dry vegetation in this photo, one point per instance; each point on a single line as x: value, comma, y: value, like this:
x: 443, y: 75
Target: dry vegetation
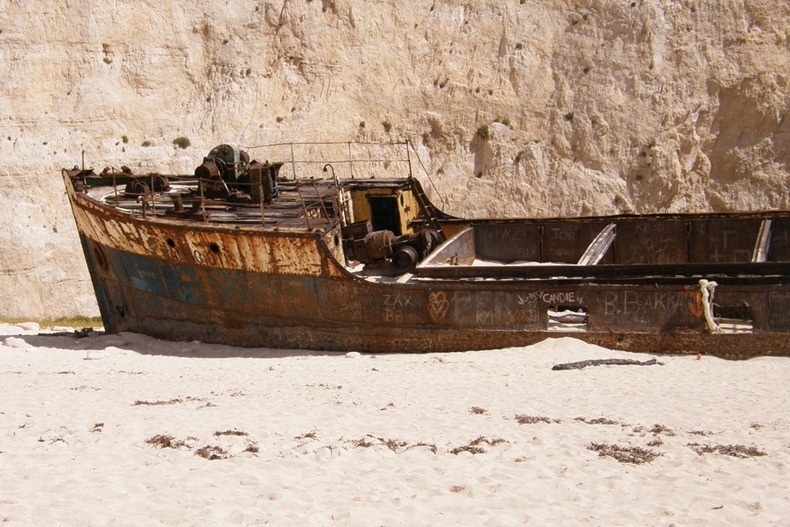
x: 661, y: 429
x: 166, y: 441
x: 233, y: 432
x: 739, y: 451
x: 70, y: 322
x: 624, y: 454
x: 157, y: 403
x: 523, y: 419
x: 212, y: 452
x: 597, y: 421
x: 474, y: 445
x: 395, y: 445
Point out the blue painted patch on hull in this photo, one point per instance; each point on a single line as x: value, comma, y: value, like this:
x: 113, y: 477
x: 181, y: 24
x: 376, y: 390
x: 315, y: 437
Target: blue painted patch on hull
x: 185, y: 287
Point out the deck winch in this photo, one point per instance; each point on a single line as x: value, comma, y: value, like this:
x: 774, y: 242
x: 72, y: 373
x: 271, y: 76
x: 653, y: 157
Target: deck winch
x: 228, y: 169
x: 363, y: 244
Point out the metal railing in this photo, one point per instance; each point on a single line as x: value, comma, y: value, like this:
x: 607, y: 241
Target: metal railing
x: 304, y: 164
x: 351, y: 160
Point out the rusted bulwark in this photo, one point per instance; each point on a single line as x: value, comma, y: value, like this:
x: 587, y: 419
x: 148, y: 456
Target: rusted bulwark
x: 175, y: 300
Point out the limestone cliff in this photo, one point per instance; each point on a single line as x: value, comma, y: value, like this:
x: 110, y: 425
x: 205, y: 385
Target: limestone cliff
x: 517, y: 107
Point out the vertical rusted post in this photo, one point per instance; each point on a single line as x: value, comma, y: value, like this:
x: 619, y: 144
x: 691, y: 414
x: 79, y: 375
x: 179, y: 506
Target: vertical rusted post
x: 293, y: 162
x: 153, y: 196
x: 114, y: 186
x: 260, y: 184
x: 341, y: 202
x: 408, y: 158
x: 304, y: 207
x: 320, y: 198
x: 85, y: 181
x: 202, y: 201
x: 350, y: 161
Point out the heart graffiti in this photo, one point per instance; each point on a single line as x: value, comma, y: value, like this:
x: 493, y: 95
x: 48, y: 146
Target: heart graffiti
x: 438, y: 305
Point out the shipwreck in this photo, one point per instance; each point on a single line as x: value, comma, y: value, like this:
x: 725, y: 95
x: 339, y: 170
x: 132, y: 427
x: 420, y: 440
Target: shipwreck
x: 337, y: 246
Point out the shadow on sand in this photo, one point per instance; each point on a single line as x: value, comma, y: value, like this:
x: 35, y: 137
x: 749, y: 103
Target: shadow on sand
x: 132, y: 342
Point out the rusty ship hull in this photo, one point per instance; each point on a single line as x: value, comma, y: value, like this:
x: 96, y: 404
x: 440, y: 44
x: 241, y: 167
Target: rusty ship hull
x: 363, y: 264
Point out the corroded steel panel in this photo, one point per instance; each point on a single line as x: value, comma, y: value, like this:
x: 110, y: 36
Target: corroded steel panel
x: 514, y: 308
x: 779, y: 310
x: 508, y: 242
x: 645, y: 308
x: 566, y: 242
x: 726, y: 240
x: 207, y: 245
x: 643, y: 242
x: 780, y: 240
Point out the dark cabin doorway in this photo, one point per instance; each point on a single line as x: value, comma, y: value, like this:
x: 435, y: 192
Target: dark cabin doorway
x: 384, y: 213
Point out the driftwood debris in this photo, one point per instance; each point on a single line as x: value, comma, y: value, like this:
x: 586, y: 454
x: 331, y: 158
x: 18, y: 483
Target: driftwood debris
x: 603, y: 362
x: 77, y: 333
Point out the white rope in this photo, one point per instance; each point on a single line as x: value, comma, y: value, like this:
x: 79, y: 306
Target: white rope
x: 707, y: 289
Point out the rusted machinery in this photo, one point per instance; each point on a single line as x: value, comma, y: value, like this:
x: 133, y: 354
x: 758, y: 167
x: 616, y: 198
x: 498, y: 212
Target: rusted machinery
x: 228, y: 169
x: 363, y: 244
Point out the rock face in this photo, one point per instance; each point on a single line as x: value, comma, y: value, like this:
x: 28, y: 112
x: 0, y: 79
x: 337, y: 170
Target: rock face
x: 518, y: 107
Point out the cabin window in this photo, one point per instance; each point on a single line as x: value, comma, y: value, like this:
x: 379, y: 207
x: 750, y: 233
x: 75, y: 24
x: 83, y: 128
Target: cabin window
x: 384, y: 214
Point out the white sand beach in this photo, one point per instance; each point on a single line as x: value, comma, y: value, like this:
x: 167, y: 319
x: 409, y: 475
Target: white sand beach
x: 128, y: 430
